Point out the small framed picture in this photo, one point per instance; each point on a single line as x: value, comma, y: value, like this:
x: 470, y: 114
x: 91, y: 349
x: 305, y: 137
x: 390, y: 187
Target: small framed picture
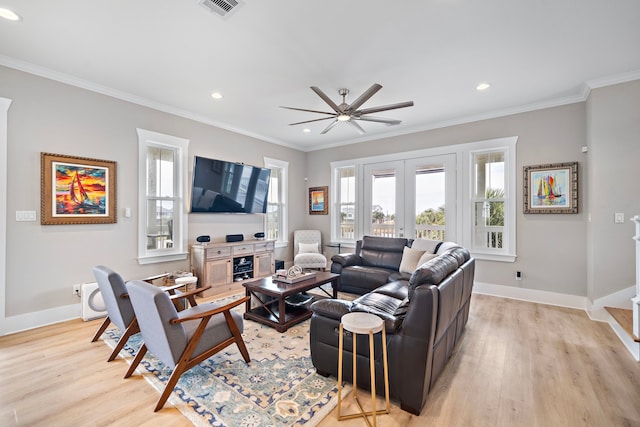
x: 318, y: 200
x: 550, y: 189
x: 77, y: 190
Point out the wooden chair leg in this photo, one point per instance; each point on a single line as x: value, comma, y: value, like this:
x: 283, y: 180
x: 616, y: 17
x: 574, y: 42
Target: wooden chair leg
x: 171, y: 384
x: 233, y: 328
x: 131, y: 329
x: 101, y: 329
x: 136, y: 361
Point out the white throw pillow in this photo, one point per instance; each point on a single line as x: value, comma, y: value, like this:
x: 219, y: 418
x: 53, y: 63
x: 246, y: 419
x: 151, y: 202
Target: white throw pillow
x: 426, y: 245
x: 308, y: 248
x: 426, y: 257
x: 410, y: 258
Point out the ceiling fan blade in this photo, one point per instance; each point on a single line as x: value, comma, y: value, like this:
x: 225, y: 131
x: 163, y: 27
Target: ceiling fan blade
x: 310, y: 121
x: 384, y: 108
x: 309, y: 111
x: 356, y: 126
x: 326, y: 99
x: 377, y: 119
x: 364, y: 97
x: 328, y: 128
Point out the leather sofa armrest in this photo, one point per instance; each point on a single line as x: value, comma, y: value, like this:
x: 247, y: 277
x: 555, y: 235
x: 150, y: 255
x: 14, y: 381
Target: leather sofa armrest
x: 331, y: 308
x: 338, y: 262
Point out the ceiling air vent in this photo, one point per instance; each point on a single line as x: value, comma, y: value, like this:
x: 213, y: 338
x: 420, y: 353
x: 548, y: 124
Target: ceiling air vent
x: 224, y: 8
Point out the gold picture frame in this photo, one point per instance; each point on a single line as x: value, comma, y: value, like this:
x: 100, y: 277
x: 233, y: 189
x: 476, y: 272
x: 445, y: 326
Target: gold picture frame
x: 318, y: 200
x: 551, y: 188
x: 77, y: 190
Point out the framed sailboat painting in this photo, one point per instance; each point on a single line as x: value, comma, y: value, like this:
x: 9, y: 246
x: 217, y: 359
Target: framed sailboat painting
x: 77, y: 190
x: 551, y: 188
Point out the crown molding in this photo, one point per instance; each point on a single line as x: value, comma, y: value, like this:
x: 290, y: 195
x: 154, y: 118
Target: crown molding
x: 125, y: 96
x: 582, y: 94
x: 614, y: 80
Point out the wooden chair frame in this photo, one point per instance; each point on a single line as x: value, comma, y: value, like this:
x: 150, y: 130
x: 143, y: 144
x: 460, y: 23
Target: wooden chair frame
x: 133, y: 327
x: 186, y: 360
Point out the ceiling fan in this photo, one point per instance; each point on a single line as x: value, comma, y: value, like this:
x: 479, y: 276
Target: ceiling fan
x: 350, y: 113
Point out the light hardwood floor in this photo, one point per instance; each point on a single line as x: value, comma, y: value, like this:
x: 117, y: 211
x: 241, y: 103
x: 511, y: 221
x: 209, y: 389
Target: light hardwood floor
x: 519, y: 364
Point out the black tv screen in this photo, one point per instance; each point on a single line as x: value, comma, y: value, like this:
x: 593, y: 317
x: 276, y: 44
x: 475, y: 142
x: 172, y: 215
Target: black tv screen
x: 226, y: 187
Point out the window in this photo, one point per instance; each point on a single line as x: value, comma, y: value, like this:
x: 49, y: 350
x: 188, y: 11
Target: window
x: 344, y: 229
x: 470, y: 196
x: 491, y: 200
x: 162, y: 216
x: 276, y: 218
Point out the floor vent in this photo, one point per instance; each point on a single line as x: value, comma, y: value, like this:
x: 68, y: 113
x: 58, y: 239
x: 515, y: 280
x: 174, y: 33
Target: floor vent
x: 224, y: 8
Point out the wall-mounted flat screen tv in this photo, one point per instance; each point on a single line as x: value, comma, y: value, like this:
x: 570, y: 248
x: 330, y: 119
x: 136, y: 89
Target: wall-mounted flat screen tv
x: 226, y: 187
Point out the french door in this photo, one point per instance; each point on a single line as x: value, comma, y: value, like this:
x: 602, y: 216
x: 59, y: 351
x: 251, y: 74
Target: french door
x: 413, y: 198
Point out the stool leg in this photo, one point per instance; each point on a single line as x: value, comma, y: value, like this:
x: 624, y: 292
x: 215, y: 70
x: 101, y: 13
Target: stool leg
x: 372, y: 364
x: 354, y: 367
x: 386, y: 369
x: 340, y: 345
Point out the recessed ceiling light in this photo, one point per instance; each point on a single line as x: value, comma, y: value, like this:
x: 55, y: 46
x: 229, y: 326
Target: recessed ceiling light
x: 483, y: 86
x: 216, y: 95
x: 9, y: 14
x: 306, y: 130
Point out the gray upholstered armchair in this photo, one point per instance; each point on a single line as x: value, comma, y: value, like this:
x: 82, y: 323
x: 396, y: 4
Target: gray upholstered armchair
x: 182, y: 339
x: 119, y: 310
x: 307, y: 249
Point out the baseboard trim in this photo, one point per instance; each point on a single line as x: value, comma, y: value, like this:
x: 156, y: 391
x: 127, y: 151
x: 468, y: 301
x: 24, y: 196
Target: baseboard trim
x: 531, y: 295
x: 24, y: 322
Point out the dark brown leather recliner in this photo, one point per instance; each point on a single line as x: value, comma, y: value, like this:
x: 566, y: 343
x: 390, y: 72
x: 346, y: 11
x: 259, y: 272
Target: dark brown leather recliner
x: 375, y: 262
x: 424, y: 316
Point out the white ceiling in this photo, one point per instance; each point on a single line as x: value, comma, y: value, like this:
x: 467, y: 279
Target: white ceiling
x: 171, y: 54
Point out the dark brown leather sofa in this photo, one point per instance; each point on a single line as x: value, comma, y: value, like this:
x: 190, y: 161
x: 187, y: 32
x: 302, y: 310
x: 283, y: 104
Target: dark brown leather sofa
x: 425, y: 316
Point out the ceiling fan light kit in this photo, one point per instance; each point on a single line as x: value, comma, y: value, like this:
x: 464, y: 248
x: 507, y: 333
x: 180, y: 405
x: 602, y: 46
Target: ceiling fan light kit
x: 349, y: 113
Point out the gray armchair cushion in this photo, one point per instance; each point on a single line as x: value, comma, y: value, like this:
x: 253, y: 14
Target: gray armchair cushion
x: 112, y: 288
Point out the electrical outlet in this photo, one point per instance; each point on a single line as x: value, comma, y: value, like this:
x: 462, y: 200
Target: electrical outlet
x: 77, y: 290
x: 518, y: 275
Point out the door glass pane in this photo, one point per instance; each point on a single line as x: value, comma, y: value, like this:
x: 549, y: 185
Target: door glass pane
x: 160, y: 172
x: 383, y: 203
x: 159, y: 224
x: 430, y: 202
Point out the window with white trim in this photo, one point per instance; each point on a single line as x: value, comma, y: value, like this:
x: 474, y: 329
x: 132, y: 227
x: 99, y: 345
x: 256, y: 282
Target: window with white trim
x: 162, y: 215
x: 485, y: 218
x: 276, y: 218
x: 491, y: 204
x: 344, y: 196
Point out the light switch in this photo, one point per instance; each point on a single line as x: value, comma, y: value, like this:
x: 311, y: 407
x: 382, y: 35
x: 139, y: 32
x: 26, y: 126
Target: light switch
x: 619, y: 218
x: 25, y: 216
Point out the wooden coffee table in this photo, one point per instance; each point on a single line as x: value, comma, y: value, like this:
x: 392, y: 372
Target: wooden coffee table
x: 270, y: 295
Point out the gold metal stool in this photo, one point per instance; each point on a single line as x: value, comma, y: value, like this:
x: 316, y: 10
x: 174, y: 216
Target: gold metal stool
x: 363, y: 323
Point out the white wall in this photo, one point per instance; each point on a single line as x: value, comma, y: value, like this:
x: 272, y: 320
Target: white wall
x: 43, y: 262
x: 614, y: 185
x: 551, y: 248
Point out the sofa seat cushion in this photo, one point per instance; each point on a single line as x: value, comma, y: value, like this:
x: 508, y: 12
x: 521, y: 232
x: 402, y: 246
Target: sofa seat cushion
x: 398, y: 289
x: 365, y: 277
x: 396, y: 275
x: 391, y: 310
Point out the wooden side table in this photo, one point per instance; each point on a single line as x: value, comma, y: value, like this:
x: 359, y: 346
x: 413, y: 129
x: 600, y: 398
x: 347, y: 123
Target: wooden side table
x: 363, y: 323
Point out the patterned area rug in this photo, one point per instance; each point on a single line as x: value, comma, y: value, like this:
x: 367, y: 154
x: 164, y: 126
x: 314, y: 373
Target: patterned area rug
x: 278, y: 388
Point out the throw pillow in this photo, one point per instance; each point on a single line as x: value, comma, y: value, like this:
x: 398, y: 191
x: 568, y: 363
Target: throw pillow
x: 426, y: 257
x: 426, y: 245
x: 410, y: 258
x: 307, y: 248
